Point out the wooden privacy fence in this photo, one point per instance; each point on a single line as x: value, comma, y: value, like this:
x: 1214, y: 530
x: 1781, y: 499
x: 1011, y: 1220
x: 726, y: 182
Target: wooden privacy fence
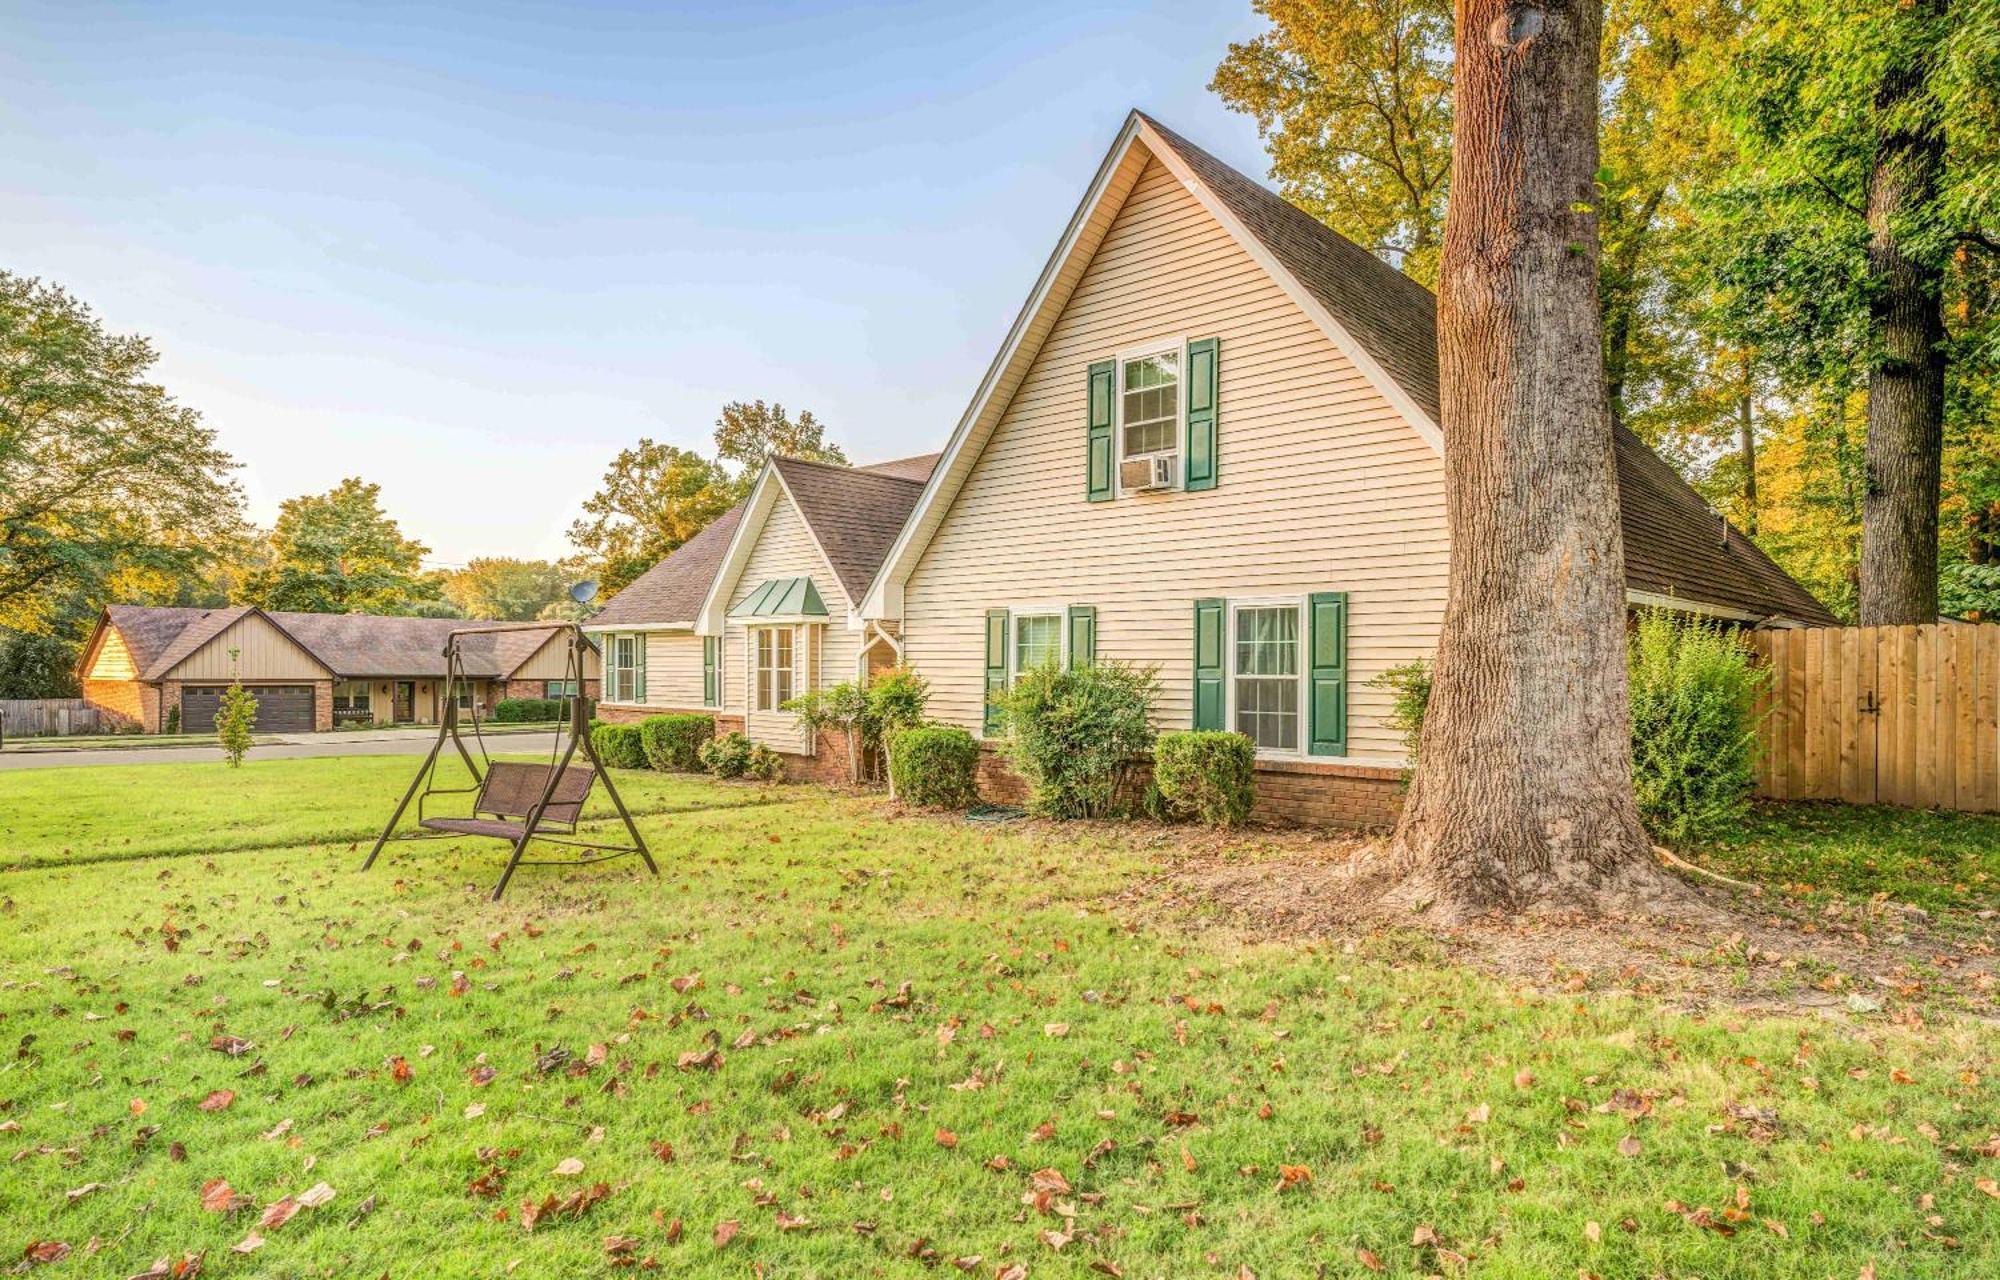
x: 47, y: 717
x: 1883, y: 715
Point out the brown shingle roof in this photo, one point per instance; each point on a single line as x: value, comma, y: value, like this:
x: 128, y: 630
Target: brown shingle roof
x: 348, y: 644
x: 1674, y: 543
x: 672, y: 590
x: 855, y: 513
x: 918, y: 468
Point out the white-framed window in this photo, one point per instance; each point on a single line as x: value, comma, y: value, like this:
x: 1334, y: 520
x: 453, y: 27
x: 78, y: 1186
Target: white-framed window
x: 1037, y: 641
x: 463, y: 693
x: 1267, y: 696
x: 350, y: 701
x: 621, y: 668
x: 1149, y: 401
x: 774, y: 653
x: 558, y: 688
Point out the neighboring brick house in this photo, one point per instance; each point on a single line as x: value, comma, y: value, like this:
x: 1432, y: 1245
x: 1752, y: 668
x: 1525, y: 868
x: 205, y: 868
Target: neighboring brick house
x: 758, y: 607
x: 1211, y: 444
x: 309, y: 671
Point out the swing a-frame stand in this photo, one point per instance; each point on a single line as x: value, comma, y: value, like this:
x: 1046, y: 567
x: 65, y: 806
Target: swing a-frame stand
x: 516, y: 801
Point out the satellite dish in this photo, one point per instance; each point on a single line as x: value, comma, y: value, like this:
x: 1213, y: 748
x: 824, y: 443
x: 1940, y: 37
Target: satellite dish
x: 584, y: 592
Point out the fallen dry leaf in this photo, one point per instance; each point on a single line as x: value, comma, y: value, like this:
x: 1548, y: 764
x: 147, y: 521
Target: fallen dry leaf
x: 725, y: 1232
x: 248, y: 1244
x: 217, y: 1101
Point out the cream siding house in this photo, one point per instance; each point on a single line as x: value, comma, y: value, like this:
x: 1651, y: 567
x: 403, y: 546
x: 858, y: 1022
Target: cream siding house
x: 1211, y: 445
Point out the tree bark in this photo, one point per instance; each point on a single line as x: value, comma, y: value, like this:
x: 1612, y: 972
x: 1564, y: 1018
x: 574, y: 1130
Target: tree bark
x: 1899, y: 514
x: 1522, y: 795
x: 1746, y: 443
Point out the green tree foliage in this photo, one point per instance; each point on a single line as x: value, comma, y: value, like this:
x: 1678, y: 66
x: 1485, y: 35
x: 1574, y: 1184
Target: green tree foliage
x: 653, y: 498
x: 338, y: 552
x: 749, y: 432
x: 1353, y: 101
x: 101, y: 472
x: 234, y: 720
x: 36, y: 666
x: 501, y: 589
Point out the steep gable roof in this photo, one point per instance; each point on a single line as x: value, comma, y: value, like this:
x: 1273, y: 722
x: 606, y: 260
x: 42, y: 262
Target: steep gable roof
x: 1676, y: 546
x: 855, y: 514
x: 670, y: 593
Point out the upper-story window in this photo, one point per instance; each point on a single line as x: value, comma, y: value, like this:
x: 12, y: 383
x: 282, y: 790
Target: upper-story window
x: 1149, y: 404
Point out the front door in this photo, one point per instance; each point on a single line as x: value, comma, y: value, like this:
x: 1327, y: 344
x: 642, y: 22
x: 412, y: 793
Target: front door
x: 403, y: 707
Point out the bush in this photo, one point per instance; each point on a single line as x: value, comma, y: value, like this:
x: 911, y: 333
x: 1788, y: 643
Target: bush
x: 933, y: 766
x: 526, y: 710
x: 1409, y: 687
x: 865, y: 715
x: 1206, y: 776
x: 234, y: 721
x: 734, y: 756
x: 674, y: 742
x: 619, y: 746
x: 173, y: 719
x: 1074, y: 735
x: 1694, y: 690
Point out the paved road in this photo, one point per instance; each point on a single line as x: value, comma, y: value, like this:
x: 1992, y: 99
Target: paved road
x: 402, y: 743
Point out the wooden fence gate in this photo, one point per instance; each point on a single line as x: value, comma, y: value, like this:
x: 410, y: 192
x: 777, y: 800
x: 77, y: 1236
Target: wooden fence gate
x: 1883, y: 715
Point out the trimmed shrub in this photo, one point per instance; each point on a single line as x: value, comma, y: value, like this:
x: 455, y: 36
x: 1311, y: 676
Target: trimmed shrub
x: 173, y: 719
x: 1074, y: 735
x: 933, y: 766
x: 1694, y: 690
x: 526, y: 710
x: 673, y: 743
x: 619, y: 745
x: 1206, y: 776
x: 733, y: 755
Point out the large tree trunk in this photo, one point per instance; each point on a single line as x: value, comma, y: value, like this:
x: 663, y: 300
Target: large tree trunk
x: 1746, y: 444
x: 1523, y: 795
x: 1899, y: 516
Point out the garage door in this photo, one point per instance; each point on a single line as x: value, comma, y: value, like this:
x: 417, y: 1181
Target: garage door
x: 281, y: 708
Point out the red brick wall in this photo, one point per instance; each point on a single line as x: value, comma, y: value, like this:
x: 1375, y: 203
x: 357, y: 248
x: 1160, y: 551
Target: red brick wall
x: 539, y: 689
x: 633, y: 715
x: 1304, y: 793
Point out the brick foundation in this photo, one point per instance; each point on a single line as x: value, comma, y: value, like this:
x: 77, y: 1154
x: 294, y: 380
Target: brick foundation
x: 539, y: 689
x: 1295, y: 793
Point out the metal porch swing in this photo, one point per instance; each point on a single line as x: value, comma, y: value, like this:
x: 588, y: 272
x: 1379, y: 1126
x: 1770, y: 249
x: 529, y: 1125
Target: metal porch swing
x: 517, y: 801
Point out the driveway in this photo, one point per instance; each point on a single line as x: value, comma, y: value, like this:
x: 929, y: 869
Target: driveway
x: 384, y: 742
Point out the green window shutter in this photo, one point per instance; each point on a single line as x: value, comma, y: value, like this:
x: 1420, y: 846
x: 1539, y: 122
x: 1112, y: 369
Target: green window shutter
x: 711, y: 671
x: 1082, y: 635
x: 1327, y: 674
x: 1098, y: 466
x: 996, y: 667
x: 1209, y: 660
x: 1202, y: 375
x: 639, y: 666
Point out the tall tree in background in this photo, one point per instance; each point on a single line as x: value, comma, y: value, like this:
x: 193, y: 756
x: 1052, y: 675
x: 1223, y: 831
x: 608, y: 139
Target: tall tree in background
x: 1872, y: 166
x: 653, y: 498
x: 1534, y: 624
x: 500, y: 589
x: 338, y: 552
x: 101, y: 472
x: 1353, y: 101
x: 748, y: 432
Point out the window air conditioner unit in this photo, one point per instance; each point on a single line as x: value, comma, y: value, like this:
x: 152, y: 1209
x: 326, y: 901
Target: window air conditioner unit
x: 1137, y: 475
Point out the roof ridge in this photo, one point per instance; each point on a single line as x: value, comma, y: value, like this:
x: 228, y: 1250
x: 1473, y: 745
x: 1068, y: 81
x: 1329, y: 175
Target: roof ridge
x: 850, y: 469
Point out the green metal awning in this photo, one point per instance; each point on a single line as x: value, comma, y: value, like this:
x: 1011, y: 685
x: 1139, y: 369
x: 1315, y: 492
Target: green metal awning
x: 782, y: 598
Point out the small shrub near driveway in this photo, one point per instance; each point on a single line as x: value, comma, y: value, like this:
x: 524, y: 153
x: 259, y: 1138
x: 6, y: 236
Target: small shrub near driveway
x: 673, y: 743
x: 234, y: 720
x: 1075, y: 735
x: 526, y: 710
x: 933, y: 766
x: 1206, y: 776
x: 733, y: 755
x: 1694, y: 727
x: 619, y: 745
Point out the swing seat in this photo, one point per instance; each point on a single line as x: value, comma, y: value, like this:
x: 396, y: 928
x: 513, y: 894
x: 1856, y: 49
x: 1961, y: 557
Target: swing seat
x: 511, y: 790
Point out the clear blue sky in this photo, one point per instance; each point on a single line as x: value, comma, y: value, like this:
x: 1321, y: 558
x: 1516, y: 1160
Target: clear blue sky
x: 469, y: 251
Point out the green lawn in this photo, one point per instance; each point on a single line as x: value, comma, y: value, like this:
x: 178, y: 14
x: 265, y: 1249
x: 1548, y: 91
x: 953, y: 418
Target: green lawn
x: 832, y: 1042
x: 1928, y: 858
